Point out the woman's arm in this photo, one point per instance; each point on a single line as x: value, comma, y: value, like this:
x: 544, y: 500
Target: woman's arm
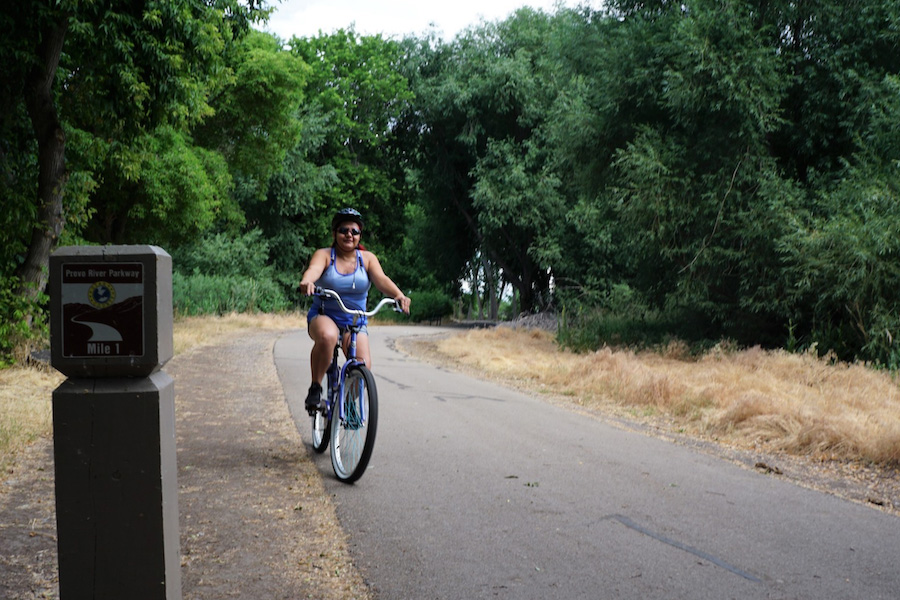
x: 384, y: 283
x: 317, y: 265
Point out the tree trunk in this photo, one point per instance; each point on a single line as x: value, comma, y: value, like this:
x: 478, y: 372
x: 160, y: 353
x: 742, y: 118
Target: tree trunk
x: 52, y: 174
x: 490, y: 285
x: 526, y: 296
x: 498, y: 297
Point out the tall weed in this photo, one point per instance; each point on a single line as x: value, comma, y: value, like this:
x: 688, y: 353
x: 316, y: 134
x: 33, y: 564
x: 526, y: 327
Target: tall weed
x: 200, y: 294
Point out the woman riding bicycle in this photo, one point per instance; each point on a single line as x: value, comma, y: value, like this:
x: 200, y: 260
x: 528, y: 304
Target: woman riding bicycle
x: 349, y: 270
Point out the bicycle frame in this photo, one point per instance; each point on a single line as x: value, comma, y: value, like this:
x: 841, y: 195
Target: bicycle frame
x: 351, y: 360
x: 336, y: 393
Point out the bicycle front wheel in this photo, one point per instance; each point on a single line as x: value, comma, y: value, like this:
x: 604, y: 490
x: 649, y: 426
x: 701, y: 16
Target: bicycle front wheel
x: 353, y: 435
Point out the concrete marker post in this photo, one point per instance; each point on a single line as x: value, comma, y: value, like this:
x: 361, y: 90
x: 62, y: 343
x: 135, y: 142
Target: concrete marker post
x: 114, y: 423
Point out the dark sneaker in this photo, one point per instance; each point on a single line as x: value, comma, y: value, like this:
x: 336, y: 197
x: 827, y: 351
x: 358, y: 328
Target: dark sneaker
x: 314, y: 398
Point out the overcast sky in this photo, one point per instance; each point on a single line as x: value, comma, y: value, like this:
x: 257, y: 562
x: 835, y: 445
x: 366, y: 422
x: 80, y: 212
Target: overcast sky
x: 394, y: 18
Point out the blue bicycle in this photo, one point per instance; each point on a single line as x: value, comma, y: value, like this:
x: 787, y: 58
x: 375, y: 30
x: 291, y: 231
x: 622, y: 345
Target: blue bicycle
x: 349, y: 417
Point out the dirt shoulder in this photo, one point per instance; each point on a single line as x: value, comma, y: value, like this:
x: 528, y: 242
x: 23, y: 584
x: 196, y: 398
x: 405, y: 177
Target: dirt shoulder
x: 255, y: 520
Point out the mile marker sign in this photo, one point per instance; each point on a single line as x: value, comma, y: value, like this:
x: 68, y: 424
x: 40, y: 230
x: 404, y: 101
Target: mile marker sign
x: 102, y: 309
x: 110, y: 310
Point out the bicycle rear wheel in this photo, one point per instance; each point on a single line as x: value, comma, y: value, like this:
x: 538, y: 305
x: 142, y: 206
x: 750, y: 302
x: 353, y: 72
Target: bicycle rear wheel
x: 321, y: 431
x: 321, y: 425
x: 353, y: 437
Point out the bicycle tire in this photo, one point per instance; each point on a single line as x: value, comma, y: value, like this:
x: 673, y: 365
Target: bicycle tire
x: 352, y: 438
x: 321, y: 431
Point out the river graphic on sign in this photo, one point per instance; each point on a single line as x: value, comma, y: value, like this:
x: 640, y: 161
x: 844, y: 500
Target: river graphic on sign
x: 100, y: 332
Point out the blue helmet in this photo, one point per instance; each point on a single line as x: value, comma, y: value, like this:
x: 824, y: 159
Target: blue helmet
x: 346, y: 214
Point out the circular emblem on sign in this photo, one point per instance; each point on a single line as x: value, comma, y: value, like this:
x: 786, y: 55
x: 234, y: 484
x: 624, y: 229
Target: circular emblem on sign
x: 102, y: 294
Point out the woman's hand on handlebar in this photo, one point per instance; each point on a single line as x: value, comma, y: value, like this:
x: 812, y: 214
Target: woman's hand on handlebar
x: 307, y: 288
x: 403, y: 302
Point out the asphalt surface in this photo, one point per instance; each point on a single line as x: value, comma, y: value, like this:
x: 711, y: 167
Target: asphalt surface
x: 477, y: 491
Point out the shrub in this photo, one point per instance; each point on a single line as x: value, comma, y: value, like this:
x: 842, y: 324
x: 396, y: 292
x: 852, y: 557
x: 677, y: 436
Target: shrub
x: 430, y: 306
x: 199, y: 294
x: 221, y: 274
x: 425, y: 306
x: 623, y: 319
x: 224, y: 255
x: 21, y: 322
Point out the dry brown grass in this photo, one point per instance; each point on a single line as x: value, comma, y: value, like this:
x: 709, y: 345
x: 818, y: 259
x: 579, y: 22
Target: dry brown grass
x: 25, y: 391
x: 752, y: 399
x: 24, y: 408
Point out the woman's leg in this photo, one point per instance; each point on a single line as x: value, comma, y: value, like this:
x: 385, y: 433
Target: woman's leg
x: 324, y: 334
x: 362, y: 347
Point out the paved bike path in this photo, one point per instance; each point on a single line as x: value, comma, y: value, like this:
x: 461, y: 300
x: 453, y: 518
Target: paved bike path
x: 477, y: 491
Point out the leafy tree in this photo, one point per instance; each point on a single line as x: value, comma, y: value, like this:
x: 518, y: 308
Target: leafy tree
x: 126, y: 68
x: 356, y: 93
x: 255, y: 141
x: 439, y: 240
x: 290, y: 215
x: 161, y: 189
x: 688, y: 183
x: 481, y: 106
x: 833, y: 53
x: 167, y: 186
x: 520, y: 215
x: 725, y: 141
x: 843, y: 258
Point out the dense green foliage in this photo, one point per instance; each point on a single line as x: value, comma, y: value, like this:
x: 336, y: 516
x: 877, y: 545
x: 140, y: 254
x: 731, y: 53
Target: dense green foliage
x: 92, y: 96
x: 649, y: 170
x: 219, y: 274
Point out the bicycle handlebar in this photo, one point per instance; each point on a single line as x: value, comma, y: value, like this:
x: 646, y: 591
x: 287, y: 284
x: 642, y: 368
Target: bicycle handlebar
x: 362, y: 313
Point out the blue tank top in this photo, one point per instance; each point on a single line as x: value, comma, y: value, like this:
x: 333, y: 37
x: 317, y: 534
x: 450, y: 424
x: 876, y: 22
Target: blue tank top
x: 352, y: 287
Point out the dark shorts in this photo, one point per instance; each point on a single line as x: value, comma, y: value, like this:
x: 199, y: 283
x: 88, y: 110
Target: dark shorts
x: 343, y: 328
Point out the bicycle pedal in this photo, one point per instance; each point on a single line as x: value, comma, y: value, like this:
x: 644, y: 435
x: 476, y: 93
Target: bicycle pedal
x: 318, y: 408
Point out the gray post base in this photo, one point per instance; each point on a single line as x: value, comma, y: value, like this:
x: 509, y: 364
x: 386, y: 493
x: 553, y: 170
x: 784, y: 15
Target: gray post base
x: 116, y: 488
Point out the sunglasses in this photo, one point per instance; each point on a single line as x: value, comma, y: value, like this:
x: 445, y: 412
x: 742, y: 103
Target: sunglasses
x: 351, y: 230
